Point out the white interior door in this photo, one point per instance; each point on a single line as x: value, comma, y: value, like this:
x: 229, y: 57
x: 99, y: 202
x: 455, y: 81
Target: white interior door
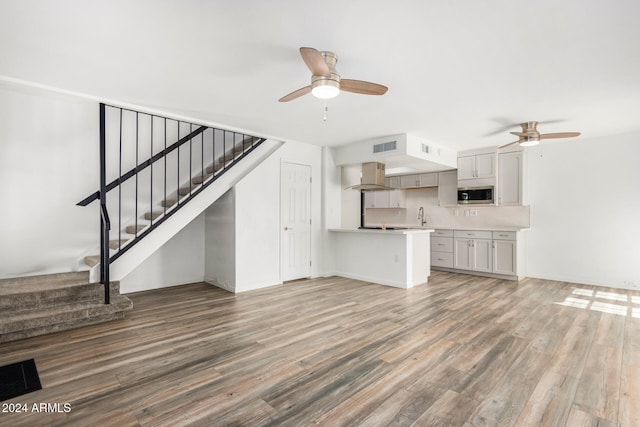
x: 296, y: 221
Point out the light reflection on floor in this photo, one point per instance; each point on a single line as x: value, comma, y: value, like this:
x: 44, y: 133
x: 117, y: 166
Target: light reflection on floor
x: 589, y: 299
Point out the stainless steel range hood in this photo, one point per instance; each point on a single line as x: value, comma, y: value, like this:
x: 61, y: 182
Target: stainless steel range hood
x: 372, y: 178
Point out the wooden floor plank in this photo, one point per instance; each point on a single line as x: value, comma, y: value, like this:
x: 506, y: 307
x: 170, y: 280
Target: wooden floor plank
x: 459, y: 351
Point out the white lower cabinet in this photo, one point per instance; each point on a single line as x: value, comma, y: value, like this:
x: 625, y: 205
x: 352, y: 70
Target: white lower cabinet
x: 442, y: 248
x: 481, y: 251
x: 472, y: 250
x: 505, y: 252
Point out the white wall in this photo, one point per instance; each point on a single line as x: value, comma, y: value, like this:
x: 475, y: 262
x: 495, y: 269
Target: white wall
x: 248, y: 220
x: 48, y: 162
x: 177, y: 262
x: 585, y: 210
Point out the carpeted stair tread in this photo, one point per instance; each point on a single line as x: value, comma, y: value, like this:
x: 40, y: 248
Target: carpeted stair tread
x: 167, y: 203
x: 199, y: 179
x: 92, y: 260
x: 44, y: 281
x: 115, y: 244
x: 153, y: 215
x: 72, y: 315
x: 45, y: 295
x: 185, y: 191
x: 133, y: 229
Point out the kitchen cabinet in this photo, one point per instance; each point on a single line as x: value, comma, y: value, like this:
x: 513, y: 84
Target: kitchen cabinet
x: 504, y: 252
x: 510, y: 178
x: 448, y: 188
x: 485, y: 252
x: 476, y: 166
x: 419, y: 180
x: 386, y: 198
x: 473, y: 250
x: 442, y: 248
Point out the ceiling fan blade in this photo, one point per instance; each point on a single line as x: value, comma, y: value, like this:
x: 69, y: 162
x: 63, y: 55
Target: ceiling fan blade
x: 511, y: 143
x: 296, y: 94
x: 559, y: 135
x: 365, y: 88
x: 315, y: 61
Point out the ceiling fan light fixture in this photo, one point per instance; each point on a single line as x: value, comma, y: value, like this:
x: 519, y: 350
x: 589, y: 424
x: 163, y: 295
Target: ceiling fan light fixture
x: 530, y: 141
x: 325, y: 88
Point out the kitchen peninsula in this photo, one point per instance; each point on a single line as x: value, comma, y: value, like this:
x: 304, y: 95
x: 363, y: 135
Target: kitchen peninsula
x: 392, y: 257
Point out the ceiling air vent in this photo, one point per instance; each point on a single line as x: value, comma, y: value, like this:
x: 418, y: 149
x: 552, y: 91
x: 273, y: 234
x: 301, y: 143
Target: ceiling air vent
x: 385, y: 146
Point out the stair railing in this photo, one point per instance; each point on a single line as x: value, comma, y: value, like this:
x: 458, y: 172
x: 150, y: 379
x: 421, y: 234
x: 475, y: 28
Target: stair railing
x: 232, y: 147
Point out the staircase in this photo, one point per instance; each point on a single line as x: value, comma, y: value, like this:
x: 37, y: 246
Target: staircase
x: 38, y: 305
x: 198, y: 181
x: 142, y: 195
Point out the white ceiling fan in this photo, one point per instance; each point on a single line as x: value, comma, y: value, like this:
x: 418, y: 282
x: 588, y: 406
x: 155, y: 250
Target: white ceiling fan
x: 325, y: 80
x: 530, y: 135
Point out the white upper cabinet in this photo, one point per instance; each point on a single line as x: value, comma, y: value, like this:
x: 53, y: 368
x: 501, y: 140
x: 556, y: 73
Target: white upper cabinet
x: 419, y: 180
x: 386, y: 198
x: 510, y: 178
x: 448, y: 188
x: 476, y: 166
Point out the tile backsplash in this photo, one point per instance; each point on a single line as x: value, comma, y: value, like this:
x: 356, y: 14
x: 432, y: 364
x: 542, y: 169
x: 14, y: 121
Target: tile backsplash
x: 454, y: 216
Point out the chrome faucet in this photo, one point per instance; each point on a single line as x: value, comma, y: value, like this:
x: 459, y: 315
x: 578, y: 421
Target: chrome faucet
x: 421, y: 216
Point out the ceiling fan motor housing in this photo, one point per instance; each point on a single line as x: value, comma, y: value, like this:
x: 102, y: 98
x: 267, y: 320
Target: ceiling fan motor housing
x: 327, y: 86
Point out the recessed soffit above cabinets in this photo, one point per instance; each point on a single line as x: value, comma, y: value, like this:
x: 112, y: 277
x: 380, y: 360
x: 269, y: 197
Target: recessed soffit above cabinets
x: 401, y: 154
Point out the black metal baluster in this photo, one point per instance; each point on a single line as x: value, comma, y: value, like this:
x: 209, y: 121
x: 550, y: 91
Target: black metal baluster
x: 213, y: 150
x: 136, y: 206
x: 151, y: 173
x: 120, y: 184
x: 190, y: 158
x: 201, y: 158
x: 105, y: 225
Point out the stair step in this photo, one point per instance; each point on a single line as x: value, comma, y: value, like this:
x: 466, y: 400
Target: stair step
x: 185, y: 191
x: 153, y: 215
x: 92, y: 260
x: 116, y: 244
x: 228, y: 160
x: 38, y: 292
x: 211, y: 170
x: 59, y: 318
x: 201, y: 178
x: 167, y: 203
x: 132, y: 229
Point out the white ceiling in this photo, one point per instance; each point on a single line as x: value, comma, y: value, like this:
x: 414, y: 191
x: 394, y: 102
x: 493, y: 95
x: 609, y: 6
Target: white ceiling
x: 456, y: 70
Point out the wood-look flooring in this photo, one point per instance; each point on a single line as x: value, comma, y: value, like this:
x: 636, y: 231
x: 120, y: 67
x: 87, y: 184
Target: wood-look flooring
x: 458, y: 351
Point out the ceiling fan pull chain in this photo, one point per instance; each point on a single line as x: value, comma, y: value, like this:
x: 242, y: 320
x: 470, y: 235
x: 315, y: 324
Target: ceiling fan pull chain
x: 325, y: 111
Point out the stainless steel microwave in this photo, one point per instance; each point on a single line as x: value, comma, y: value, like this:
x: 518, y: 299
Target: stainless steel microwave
x: 475, y: 196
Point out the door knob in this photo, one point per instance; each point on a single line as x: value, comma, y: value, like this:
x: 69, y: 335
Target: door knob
x: 288, y: 228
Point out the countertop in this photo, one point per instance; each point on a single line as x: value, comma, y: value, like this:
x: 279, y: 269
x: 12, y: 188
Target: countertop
x: 461, y: 227
x: 386, y: 231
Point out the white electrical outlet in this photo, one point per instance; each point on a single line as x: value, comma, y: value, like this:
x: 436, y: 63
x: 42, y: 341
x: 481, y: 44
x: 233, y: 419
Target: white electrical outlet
x: 473, y: 212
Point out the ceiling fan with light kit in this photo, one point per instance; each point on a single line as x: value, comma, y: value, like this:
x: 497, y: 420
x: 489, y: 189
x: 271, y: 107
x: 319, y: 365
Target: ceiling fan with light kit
x: 530, y: 136
x: 325, y: 80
